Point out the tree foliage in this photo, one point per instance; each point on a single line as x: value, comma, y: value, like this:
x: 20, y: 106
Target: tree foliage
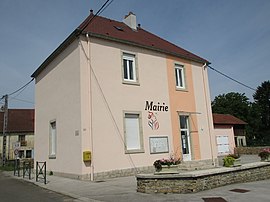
x: 262, y: 103
x: 232, y: 103
x: 262, y: 100
x: 256, y: 114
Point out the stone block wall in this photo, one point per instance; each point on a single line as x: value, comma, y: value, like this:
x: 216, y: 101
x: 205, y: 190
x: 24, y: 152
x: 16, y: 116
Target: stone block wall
x: 189, y: 165
x: 109, y: 174
x: 198, y: 164
x: 195, y: 182
x: 249, y: 150
x: 123, y: 173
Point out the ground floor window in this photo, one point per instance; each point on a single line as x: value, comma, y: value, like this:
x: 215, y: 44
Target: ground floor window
x: 21, y: 154
x: 28, y: 154
x: 52, y: 145
x: 133, y: 132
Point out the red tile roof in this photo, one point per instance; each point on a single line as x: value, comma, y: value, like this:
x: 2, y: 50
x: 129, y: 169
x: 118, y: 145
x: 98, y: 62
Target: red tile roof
x: 227, y: 119
x: 108, y: 29
x: 112, y: 29
x: 19, y: 120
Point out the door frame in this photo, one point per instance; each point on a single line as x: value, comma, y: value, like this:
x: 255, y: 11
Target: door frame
x: 186, y: 156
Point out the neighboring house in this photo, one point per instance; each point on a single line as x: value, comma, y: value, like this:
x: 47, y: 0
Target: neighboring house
x: 20, y: 128
x: 229, y: 132
x: 113, y: 98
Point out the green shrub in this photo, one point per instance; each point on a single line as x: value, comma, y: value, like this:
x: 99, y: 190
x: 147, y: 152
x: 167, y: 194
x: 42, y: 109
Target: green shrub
x: 7, y: 168
x: 228, y: 161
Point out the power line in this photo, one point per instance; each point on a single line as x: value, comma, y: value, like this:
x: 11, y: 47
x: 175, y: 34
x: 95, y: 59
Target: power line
x: 20, y: 90
x: 106, y: 7
x: 24, y: 86
x: 231, y: 78
x: 22, y: 100
x: 102, y: 8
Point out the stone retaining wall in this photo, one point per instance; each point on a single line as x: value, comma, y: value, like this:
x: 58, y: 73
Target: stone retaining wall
x: 249, y: 150
x: 123, y: 172
x: 189, y: 165
x: 196, y: 181
x: 109, y: 174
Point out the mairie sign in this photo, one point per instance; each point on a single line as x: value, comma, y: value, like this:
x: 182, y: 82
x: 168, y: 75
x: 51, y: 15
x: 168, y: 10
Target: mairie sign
x: 151, y: 106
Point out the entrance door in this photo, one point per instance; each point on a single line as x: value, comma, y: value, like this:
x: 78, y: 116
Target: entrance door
x: 185, y: 137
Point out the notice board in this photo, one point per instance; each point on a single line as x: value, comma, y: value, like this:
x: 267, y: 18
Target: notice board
x: 159, y: 145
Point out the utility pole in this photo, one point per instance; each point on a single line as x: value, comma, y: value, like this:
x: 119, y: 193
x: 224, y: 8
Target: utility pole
x: 5, y: 109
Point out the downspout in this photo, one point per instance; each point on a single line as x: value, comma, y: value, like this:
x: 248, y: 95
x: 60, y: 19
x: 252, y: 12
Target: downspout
x: 90, y: 109
x: 207, y: 113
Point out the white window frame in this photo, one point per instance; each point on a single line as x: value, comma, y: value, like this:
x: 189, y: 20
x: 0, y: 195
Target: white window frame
x: 133, y: 68
x: 52, y: 139
x: 137, y: 146
x: 179, y: 71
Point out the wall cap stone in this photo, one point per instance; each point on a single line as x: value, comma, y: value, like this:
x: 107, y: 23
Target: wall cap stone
x: 202, y: 173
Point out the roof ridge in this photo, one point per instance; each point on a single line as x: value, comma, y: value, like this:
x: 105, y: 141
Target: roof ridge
x: 98, y: 16
x: 187, y: 54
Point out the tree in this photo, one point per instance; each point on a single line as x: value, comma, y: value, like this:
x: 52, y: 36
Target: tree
x: 262, y: 102
x: 254, y: 136
x: 239, y: 106
x: 256, y: 114
x: 232, y: 103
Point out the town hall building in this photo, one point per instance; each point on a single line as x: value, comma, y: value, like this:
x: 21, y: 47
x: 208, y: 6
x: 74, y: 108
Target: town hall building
x: 113, y: 98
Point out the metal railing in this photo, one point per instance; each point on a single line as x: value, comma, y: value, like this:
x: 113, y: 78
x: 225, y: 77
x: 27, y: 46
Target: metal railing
x: 17, y: 167
x: 27, y: 169
x: 41, y: 171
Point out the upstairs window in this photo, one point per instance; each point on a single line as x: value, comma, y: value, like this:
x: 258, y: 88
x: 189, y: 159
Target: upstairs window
x: 129, y: 68
x: 21, y: 138
x: 180, y: 76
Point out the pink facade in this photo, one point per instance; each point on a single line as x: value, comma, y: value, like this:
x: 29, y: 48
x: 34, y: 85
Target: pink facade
x: 121, y: 101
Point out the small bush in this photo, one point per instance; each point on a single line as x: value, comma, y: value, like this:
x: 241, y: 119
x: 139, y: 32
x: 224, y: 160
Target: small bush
x: 228, y: 161
x: 7, y: 168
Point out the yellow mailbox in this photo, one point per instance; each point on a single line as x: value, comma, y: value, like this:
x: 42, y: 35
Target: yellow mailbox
x: 86, y: 156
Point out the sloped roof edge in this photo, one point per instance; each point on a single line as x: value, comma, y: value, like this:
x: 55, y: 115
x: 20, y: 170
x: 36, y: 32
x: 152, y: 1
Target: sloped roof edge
x: 227, y: 119
x: 56, y: 52
x: 78, y: 31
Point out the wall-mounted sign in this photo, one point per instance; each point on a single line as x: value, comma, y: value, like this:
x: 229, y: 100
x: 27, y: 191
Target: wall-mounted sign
x: 159, y: 145
x: 151, y: 106
x: 16, y: 145
x: 152, y: 109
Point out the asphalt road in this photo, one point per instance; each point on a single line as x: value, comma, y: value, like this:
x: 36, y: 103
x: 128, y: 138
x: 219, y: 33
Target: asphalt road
x: 13, y: 190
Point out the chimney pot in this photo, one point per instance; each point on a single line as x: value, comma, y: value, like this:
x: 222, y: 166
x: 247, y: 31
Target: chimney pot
x: 91, y: 11
x: 130, y: 20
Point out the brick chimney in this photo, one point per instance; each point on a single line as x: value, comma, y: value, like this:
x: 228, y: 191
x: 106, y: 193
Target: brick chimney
x: 130, y: 20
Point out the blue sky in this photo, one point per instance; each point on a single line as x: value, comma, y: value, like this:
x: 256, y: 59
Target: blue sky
x: 234, y: 35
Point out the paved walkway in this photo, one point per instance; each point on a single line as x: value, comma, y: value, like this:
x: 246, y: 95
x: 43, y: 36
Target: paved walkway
x: 124, y: 189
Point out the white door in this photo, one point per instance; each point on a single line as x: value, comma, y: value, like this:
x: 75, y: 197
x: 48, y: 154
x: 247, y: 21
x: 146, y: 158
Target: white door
x: 185, y: 137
